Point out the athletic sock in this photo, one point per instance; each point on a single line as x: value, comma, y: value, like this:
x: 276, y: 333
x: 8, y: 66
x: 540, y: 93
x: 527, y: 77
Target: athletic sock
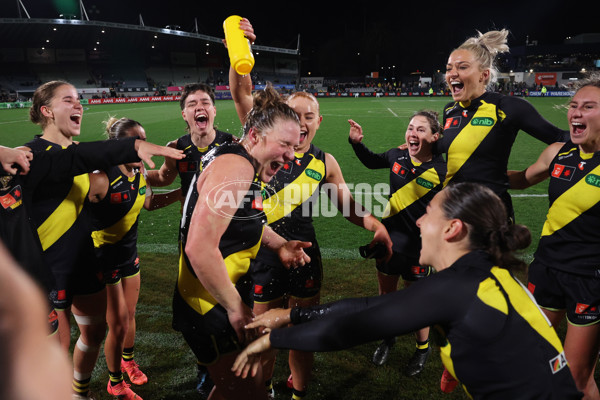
x: 115, y: 377
x: 423, y: 346
x: 298, y: 394
x: 128, y: 353
x: 81, y: 386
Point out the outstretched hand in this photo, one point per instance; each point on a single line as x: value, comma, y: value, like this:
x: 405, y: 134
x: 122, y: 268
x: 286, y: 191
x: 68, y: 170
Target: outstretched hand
x: 356, y: 132
x: 272, y: 319
x: 292, y: 253
x: 146, y: 150
x: 249, y: 359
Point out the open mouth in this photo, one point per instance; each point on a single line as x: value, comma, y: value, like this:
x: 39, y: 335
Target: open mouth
x: 201, y: 120
x: 577, y: 128
x: 456, y: 87
x: 303, y: 136
x: 76, y: 118
x: 413, y: 145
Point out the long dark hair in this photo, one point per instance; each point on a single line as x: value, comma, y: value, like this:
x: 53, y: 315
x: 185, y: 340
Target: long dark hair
x: 487, y: 222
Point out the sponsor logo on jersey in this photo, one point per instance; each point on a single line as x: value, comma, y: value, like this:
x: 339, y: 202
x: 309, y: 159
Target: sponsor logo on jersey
x: 531, y: 287
x: 142, y: 190
x: 120, y: 197
x: 586, y: 309
x: 313, y: 174
x: 257, y: 203
x: 563, y: 172
x: 399, y: 170
x: 12, y: 199
x: 453, y: 122
x: 482, y: 121
x: 258, y: 289
x: 425, y: 183
x: 593, y: 180
x: 188, y: 166
x: 287, y: 167
x: 558, y: 363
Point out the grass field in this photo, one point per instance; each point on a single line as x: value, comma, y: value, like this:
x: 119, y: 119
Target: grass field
x: 340, y: 375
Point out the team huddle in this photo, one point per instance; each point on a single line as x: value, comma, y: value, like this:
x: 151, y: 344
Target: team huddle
x: 249, y: 281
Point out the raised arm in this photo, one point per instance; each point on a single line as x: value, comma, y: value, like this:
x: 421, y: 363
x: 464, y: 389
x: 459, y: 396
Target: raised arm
x: 536, y: 172
x: 367, y: 157
x: 167, y: 172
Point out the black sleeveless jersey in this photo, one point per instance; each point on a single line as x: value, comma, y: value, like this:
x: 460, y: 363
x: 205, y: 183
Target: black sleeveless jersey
x: 188, y: 166
x: 478, y: 138
x: 570, y: 239
x: 116, y: 217
x: 239, y: 244
x: 412, y: 186
x: 289, y: 199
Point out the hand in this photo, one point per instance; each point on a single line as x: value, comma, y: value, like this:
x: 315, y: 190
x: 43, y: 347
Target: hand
x: 292, y: 254
x: 9, y: 157
x: 356, y: 132
x: 239, y: 318
x: 249, y: 359
x: 272, y: 319
x: 382, y: 236
x: 403, y: 146
x: 146, y: 150
x: 246, y: 26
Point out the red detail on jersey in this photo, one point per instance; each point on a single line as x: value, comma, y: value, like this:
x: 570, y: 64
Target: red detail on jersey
x: 61, y: 294
x: 396, y: 168
x: 581, y: 165
x: 310, y: 283
x: 581, y: 308
x: 452, y: 123
x: 298, y: 162
x: 286, y: 166
x: 531, y: 287
x: 258, y: 289
x: 7, y: 200
x: 52, y: 316
x: 563, y: 172
x: 17, y: 193
x: 115, y: 198
x: 257, y: 203
x: 399, y: 170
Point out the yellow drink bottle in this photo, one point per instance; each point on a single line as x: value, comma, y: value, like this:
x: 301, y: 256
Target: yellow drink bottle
x: 238, y: 46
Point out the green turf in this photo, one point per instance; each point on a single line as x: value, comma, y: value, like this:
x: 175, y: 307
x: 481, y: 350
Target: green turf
x: 339, y: 375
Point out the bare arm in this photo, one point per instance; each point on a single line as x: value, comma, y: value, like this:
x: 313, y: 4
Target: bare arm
x: 167, y: 172
x: 536, y: 172
x: 290, y: 252
x: 206, y: 229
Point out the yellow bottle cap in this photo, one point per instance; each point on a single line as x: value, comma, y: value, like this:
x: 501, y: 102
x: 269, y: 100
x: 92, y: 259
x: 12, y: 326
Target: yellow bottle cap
x: 243, y: 67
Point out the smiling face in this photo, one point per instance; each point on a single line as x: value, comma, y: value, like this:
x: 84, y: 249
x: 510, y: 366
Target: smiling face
x: 464, y: 77
x: 275, y: 147
x: 420, y: 138
x: 310, y: 119
x: 199, y: 113
x: 584, y: 118
x: 63, y: 114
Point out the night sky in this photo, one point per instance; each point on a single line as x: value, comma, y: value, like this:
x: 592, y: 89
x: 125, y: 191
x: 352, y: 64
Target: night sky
x: 408, y: 36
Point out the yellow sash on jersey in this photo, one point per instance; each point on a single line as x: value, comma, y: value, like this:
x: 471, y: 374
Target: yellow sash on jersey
x: 467, y: 141
x: 295, y: 193
x: 571, y: 204
x: 192, y: 291
x: 65, y: 215
x: 114, y: 233
x: 408, y: 194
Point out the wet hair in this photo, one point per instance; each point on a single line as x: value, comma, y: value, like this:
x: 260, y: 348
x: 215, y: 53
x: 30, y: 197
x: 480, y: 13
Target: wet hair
x: 304, y: 95
x: 487, y: 222
x: 268, y: 108
x: 433, y: 118
x: 592, y: 79
x: 116, y: 128
x: 195, y: 87
x: 485, y: 47
x: 43, y: 97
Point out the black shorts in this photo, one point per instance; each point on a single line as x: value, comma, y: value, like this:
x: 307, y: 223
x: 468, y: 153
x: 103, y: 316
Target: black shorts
x: 83, y: 281
x: 406, y: 266
x: 273, y: 282
x: 208, y: 335
x: 558, y: 290
x: 113, y: 276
